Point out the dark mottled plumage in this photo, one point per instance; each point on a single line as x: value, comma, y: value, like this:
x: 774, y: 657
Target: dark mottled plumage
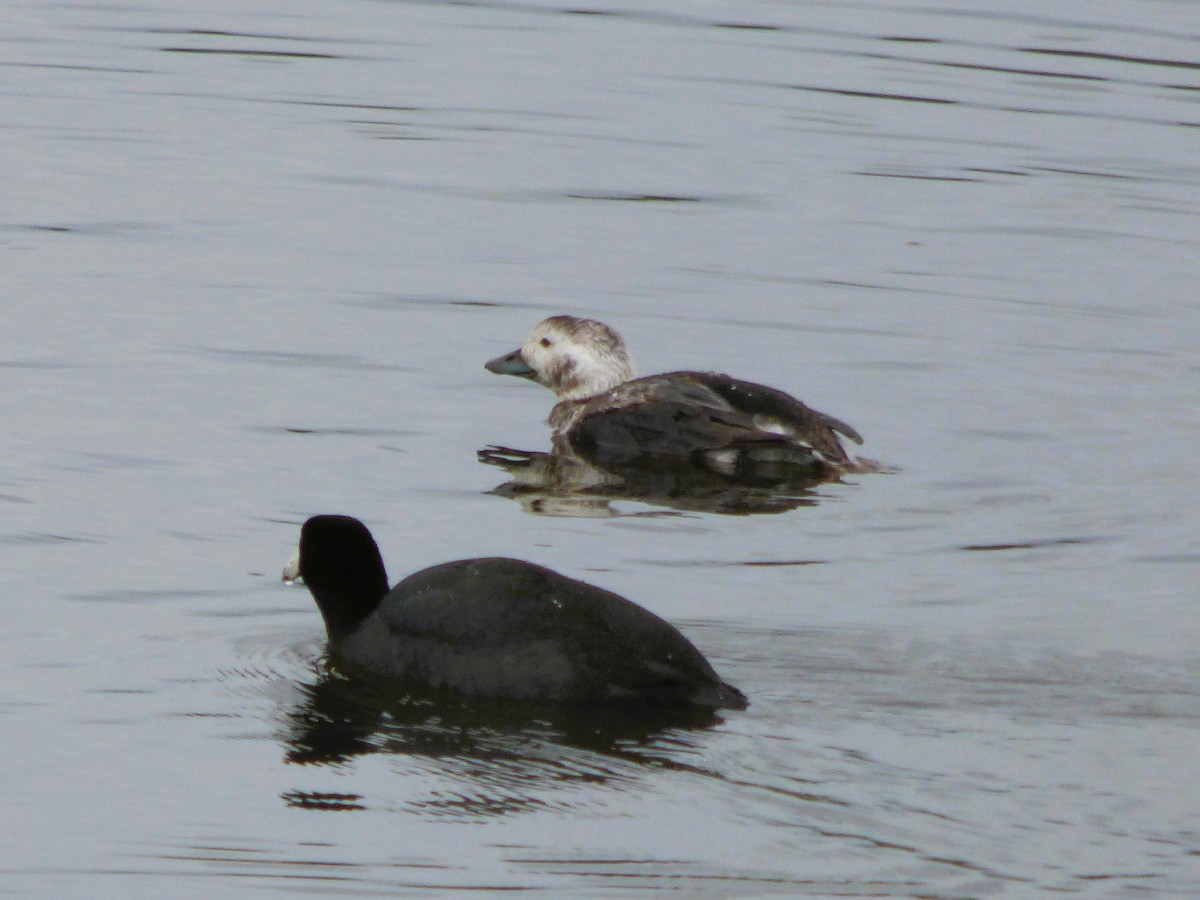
x: 720, y: 421
x: 497, y: 627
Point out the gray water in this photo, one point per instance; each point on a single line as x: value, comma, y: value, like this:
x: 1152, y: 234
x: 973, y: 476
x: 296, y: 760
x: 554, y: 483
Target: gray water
x: 254, y: 256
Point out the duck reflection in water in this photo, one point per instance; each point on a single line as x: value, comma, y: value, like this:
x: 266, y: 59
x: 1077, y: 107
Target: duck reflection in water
x: 568, y: 484
x: 716, y: 423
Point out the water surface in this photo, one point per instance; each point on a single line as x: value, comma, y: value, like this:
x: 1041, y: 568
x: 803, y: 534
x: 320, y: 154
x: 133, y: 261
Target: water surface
x: 254, y: 259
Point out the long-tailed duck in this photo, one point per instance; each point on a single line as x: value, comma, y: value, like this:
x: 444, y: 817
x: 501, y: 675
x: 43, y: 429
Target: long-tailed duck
x: 721, y: 422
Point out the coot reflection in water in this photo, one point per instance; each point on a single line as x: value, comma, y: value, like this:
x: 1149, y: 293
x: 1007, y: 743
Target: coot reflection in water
x: 568, y: 484
x: 498, y: 752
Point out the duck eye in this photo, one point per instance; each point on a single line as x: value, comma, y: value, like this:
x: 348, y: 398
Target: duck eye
x: 545, y: 342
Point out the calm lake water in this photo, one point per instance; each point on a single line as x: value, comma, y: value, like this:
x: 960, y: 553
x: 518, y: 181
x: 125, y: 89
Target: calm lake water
x: 254, y: 257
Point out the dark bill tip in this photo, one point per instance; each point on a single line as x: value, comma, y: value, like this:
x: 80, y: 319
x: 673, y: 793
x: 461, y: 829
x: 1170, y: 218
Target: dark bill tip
x: 509, y: 364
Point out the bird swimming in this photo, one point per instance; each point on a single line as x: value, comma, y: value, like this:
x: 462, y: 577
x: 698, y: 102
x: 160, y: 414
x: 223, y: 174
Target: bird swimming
x: 496, y: 627
x: 719, y: 421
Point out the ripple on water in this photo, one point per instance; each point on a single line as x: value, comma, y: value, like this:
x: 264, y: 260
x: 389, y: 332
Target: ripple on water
x: 42, y: 537
x: 868, y: 672
x: 965, y: 220
x: 295, y: 359
x: 475, y: 759
x: 343, y: 431
x: 454, y: 758
x: 130, y: 596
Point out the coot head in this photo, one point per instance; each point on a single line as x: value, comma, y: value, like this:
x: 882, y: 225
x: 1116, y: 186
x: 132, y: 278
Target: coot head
x: 343, y: 569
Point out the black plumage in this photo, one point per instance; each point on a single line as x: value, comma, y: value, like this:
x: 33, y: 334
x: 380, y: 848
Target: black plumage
x: 496, y: 627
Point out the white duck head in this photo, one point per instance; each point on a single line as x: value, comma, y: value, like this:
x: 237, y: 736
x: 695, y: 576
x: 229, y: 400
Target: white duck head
x: 576, y: 358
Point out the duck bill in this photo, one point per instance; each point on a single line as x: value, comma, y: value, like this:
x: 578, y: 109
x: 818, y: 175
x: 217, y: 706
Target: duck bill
x: 510, y: 364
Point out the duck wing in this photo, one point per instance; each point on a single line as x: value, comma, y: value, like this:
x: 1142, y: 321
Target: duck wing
x: 663, y: 428
x: 677, y: 414
x: 777, y: 410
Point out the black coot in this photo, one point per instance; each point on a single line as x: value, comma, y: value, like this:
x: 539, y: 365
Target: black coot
x: 497, y: 627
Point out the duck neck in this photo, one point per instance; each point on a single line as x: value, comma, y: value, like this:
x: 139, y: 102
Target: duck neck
x: 582, y: 381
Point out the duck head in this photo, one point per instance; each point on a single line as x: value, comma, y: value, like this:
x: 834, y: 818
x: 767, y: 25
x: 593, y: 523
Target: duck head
x: 576, y: 358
